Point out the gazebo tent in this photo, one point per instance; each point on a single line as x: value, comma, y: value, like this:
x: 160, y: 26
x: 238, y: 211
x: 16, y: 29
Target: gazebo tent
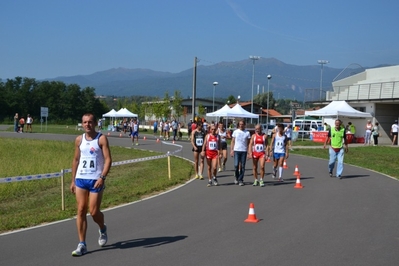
x: 224, y: 111
x: 337, y: 109
x: 110, y: 113
x: 123, y: 112
x: 238, y: 111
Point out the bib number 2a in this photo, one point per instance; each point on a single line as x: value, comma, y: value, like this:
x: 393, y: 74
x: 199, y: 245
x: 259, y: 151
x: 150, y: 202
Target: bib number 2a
x: 88, y: 165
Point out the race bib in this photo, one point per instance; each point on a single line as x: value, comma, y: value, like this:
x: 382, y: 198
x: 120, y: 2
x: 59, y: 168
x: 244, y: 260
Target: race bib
x: 199, y: 142
x: 259, y: 147
x: 212, y: 145
x: 88, y: 164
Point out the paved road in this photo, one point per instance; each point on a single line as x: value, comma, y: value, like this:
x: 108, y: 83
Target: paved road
x: 352, y: 221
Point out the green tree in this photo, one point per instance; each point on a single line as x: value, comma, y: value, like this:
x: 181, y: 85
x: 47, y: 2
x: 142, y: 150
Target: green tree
x: 176, y: 104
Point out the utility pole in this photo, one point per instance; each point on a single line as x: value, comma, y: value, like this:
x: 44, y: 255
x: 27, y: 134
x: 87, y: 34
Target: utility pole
x: 194, y: 87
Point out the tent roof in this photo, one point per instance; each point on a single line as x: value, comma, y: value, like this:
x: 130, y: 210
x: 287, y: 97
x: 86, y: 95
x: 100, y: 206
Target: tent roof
x: 123, y: 112
x: 238, y: 111
x: 338, y: 108
x: 110, y: 113
x: 224, y: 111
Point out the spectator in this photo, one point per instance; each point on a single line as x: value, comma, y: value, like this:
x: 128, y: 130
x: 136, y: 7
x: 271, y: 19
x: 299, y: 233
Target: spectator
x: 376, y: 133
x: 29, y: 121
x: 22, y: 124
x: 16, y: 118
x: 367, y: 136
x: 394, y: 132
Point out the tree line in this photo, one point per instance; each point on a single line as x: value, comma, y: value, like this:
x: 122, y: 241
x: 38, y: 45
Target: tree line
x: 66, y: 103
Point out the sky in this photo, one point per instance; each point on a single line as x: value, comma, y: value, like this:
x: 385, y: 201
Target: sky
x: 51, y: 38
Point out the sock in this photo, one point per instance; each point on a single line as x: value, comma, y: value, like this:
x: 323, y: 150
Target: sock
x: 104, y: 230
x: 82, y: 242
x: 280, y: 170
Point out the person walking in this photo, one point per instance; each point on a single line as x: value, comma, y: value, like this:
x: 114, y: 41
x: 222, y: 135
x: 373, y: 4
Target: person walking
x: 197, y: 141
x: 376, y: 133
x: 212, y: 151
x: 90, y: 166
x: 279, y: 151
x: 175, y: 126
x: 338, y: 146
x: 223, y: 139
x: 134, y: 131
x: 367, y: 136
x: 394, y: 132
x: 239, y: 149
x: 21, y: 124
x: 256, y: 151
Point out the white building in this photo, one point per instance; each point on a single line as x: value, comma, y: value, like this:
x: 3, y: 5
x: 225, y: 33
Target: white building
x: 375, y: 91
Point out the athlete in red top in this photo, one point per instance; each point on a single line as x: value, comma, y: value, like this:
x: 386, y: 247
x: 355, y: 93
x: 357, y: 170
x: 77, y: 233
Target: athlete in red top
x: 256, y: 151
x: 212, y: 150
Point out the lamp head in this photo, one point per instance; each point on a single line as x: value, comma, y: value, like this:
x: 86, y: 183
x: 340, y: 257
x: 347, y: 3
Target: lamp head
x: 269, y: 76
x: 215, y: 83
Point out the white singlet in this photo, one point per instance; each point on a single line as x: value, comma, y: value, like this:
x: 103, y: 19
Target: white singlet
x: 91, y: 161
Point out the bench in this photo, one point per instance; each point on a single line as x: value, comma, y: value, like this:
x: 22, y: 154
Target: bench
x: 79, y: 126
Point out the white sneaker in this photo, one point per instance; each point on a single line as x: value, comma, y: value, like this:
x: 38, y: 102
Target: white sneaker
x: 102, y: 240
x: 80, y: 250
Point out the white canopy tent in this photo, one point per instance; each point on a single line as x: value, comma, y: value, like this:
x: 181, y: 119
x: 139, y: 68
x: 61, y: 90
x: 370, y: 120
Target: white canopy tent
x: 238, y: 111
x: 123, y: 112
x: 337, y: 109
x: 224, y: 111
x: 110, y: 113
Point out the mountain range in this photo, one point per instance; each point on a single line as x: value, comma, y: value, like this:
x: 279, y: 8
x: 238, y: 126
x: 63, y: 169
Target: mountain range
x: 234, y: 78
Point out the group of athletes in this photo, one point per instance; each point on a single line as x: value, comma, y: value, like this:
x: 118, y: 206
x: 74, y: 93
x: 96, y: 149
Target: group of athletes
x: 212, y: 146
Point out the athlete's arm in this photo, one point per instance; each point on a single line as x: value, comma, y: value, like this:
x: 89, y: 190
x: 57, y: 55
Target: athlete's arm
x: 103, y: 143
x: 75, y: 162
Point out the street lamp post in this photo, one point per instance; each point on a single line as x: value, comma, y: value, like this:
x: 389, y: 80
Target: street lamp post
x: 268, y: 96
x: 213, y: 104
x: 321, y: 62
x: 253, y: 58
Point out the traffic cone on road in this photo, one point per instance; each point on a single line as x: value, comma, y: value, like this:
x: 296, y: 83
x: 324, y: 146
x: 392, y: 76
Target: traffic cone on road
x: 251, y: 215
x: 157, y: 140
x: 298, y: 182
x: 109, y: 134
x: 285, y: 166
x: 144, y: 138
x: 268, y: 159
x: 120, y: 135
x: 296, y: 172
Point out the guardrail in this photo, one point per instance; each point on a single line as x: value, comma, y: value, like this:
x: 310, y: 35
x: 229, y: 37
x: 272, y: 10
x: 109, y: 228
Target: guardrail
x: 69, y: 170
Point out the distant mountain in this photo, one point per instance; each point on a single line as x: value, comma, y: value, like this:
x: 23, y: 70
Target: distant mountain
x: 234, y: 78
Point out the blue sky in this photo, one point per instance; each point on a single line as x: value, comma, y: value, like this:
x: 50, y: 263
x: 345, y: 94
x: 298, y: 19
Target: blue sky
x: 46, y: 39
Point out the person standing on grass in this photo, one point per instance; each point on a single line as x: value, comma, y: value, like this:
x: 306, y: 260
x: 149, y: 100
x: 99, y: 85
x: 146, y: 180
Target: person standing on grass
x: 239, y: 149
x: 223, y: 139
x: 90, y: 166
x: 279, y: 149
x: 197, y: 141
x: 256, y: 151
x: 376, y: 133
x: 367, y: 136
x: 212, y: 151
x: 22, y: 124
x: 29, y: 121
x: 338, y: 145
x: 16, y: 120
x: 394, y: 132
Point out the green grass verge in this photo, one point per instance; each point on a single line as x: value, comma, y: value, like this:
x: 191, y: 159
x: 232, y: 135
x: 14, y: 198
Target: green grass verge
x: 28, y: 203
x: 383, y: 159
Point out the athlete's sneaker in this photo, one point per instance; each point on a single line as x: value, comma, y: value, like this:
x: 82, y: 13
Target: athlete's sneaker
x: 255, y: 183
x: 220, y: 169
x: 339, y: 177
x: 241, y: 183
x: 196, y: 176
x: 224, y: 167
x: 280, y: 179
x: 235, y: 181
x: 209, y: 183
x: 215, y: 182
x: 80, y: 250
x: 261, y: 183
x: 330, y: 173
x: 137, y: 143
x: 102, y: 240
x: 201, y: 177
x: 274, y: 173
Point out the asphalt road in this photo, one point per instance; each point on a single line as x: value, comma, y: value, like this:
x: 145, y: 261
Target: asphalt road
x: 352, y: 221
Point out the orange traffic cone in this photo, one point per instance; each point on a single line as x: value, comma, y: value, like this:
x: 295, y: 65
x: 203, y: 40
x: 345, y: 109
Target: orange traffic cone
x: 251, y: 215
x: 173, y: 142
x: 268, y: 159
x: 109, y: 134
x: 296, y: 172
x: 120, y: 135
x: 285, y: 166
x: 298, y: 182
x: 144, y: 138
